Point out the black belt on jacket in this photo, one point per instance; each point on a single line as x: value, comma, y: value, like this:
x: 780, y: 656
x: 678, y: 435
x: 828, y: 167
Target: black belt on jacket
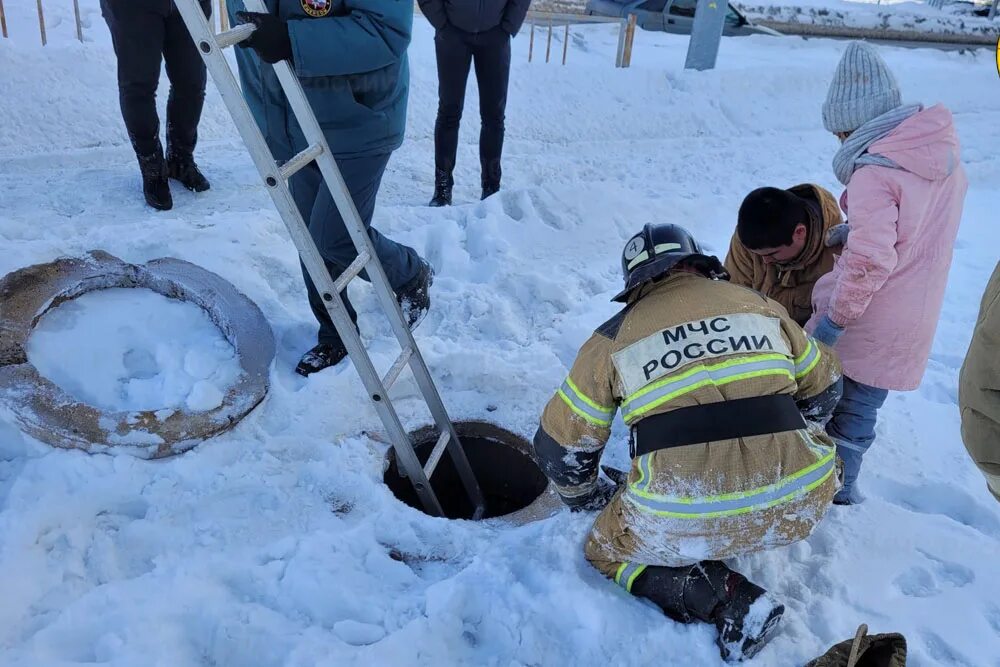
x: 712, y: 422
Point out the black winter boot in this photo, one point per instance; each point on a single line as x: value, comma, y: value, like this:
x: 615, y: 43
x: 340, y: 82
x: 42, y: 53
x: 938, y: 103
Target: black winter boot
x: 747, y: 621
x: 181, y: 167
x: 322, y: 356
x: 491, y: 178
x: 154, y: 181
x: 443, y: 183
x: 415, y: 297
x: 712, y: 593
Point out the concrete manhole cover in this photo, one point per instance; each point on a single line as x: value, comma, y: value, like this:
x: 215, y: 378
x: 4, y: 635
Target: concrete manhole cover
x: 152, y: 359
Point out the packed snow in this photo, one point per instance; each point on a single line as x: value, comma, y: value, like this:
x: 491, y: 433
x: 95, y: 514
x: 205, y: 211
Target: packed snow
x: 133, y: 349
x: 277, y: 543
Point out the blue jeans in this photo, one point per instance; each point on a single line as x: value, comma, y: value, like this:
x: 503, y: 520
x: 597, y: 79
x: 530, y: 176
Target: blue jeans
x: 363, y: 175
x: 853, y: 428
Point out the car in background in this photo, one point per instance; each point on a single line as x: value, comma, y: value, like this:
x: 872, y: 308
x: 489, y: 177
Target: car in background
x: 675, y: 16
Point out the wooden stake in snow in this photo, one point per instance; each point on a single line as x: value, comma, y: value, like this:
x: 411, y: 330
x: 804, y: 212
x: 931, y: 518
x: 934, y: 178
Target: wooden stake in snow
x: 41, y: 22
x: 565, y: 42
x: 76, y: 15
x: 629, y: 39
x: 223, y: 16
x: 3, y: 21
x: 548, y: 45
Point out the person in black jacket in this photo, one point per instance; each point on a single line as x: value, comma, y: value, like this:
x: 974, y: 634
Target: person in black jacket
x: 471, y: 31
x: 144, y: 34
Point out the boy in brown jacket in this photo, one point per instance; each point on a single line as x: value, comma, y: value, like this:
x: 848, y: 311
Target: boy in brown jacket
x: 783, y: 244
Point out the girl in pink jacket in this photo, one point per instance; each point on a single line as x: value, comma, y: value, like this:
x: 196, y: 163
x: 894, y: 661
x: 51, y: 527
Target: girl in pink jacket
x: 905, y: 188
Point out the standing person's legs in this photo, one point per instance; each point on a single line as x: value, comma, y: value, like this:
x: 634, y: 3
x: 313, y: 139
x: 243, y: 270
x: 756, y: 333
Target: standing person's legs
x: 401, y: 263
x: 492, y: 60
x: 137, y: 34
x: 187, y: 75
x: 454, y: 58
x: 853, y: 428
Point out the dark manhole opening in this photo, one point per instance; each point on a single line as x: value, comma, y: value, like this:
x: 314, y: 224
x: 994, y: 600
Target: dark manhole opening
x: 507, y: 476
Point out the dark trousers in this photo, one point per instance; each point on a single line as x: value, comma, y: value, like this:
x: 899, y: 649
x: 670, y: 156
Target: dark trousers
x: 363, y: 176
x: 144, y: 33
x: 456, y: 51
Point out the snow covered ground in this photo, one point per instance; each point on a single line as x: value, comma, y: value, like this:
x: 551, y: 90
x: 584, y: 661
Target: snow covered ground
x: 270, y: 545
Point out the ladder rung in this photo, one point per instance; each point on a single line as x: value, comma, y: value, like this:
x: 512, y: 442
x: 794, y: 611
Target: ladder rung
x: 234, y: 36
x: 397, y: 368
x: 436, y: 453
x: 291, y: 167
x: 351, y: 271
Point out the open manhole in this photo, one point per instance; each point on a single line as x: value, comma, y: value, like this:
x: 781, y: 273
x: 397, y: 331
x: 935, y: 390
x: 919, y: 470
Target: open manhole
x: 511, y: 483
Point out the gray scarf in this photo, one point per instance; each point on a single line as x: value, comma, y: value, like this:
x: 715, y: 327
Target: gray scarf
x: 853, y: 153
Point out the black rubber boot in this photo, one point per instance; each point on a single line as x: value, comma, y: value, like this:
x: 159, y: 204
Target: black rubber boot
x: 712, y: 593
x: 322, y: 356
x: 491, y: 179
x: 182, y: 167
x: 443, y: 183
x: 747, y: 621
x: 154, y: 181
x: 415, y: 297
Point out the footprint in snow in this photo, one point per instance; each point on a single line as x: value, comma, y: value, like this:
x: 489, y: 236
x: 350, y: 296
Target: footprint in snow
x: 944, y: 500
x: 357, y: 633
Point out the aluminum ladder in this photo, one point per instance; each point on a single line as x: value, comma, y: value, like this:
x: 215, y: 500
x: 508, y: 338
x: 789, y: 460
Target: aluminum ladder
x: 275, y: 176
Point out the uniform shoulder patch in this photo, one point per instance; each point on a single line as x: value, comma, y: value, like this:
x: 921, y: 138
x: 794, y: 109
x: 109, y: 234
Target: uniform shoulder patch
x: 317, y: 8
x: 611, y: 328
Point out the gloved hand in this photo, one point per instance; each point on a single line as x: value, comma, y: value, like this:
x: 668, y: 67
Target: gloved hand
x: 270, y: 40
x: 593, y: 501
x: 837, y: 235
x: 827, y: 332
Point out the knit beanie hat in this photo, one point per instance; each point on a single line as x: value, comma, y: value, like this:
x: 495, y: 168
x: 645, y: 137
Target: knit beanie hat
x: 863, y: 88
x: 768, y: 218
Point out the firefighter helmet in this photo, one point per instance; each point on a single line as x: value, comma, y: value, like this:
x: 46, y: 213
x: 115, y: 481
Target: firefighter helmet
x: 657, y: 249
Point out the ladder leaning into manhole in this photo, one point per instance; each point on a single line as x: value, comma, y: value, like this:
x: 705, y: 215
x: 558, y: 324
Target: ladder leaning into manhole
x: 276, y: 177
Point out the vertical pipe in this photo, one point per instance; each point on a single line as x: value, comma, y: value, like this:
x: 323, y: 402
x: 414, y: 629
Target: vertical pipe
x: 3, y: 21
x: 76, y: 16
x: 629, y: 39
x: 548, y: 44
x: 531, y: 40
x: 41, y: 22
x: 565, y: 43
x: 223, y: 16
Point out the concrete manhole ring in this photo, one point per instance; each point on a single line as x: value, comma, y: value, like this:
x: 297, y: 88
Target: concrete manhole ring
x: 48, y: 413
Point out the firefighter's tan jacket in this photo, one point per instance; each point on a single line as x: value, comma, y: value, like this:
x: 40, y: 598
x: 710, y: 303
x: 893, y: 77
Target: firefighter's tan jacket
x: 686, y: 341
x: 791, y: 284
x: 979, y: 388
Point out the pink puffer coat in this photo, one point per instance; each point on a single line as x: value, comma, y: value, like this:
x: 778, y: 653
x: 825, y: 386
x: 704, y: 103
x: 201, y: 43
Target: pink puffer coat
x: 888, y: 286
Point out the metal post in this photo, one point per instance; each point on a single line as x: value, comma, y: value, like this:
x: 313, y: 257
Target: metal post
x: 565, y: 43
x: 3, y: 21
x: 531, y: 41
x: 706, y: 34
x: 41, y: 22
x: 76, y: 16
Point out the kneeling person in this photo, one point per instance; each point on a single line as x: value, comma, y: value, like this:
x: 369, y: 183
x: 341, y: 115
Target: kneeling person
x: 783, y: 244
x: 713, y: 381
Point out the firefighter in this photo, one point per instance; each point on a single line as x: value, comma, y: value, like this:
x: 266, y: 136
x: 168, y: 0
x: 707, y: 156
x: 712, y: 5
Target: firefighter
x: 724, y: 395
